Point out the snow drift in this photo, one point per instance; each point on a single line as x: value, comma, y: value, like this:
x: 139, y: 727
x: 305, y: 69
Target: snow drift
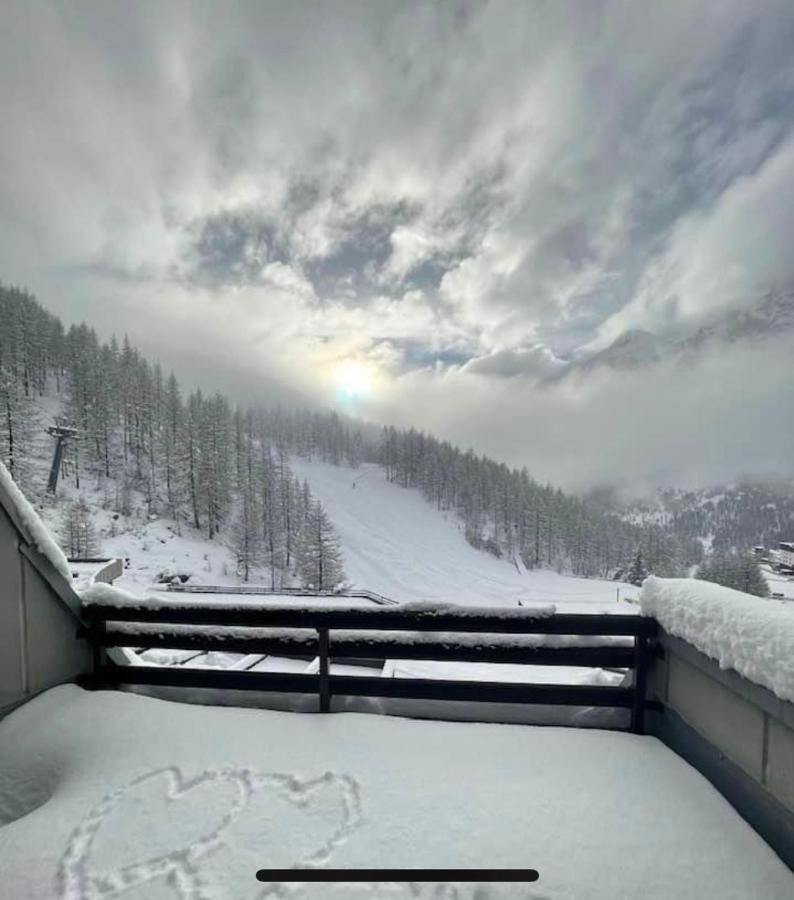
x: 751, y: 635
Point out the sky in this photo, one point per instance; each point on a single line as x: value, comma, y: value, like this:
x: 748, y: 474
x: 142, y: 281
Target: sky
x: 421, y: 213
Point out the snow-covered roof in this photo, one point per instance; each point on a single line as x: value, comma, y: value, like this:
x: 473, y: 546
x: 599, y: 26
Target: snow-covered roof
x: 752, y: 635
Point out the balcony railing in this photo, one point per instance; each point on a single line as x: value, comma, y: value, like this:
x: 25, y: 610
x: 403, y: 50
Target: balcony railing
x: 337, y: 633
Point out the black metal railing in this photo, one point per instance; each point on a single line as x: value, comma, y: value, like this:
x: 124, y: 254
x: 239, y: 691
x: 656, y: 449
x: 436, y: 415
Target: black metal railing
x: 345, y: 634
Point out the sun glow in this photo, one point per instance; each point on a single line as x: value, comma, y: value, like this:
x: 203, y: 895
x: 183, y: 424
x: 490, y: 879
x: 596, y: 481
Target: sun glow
x: 353, y: 378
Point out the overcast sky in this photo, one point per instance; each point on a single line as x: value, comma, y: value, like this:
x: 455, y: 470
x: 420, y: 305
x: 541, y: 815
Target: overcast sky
x: 441, y: 201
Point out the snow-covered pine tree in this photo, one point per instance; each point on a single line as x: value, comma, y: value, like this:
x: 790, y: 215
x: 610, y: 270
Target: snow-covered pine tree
x: 246, y: 536
x: 18, y: 422
x: 173, y: 437
x: 246, y: 531
x: 637, y: 572
x: 78, y: 536
x: 739, y: 571
x: 271, y: 522
x: 751, y: 578
x: 320, y: 564
x: 192, y: 457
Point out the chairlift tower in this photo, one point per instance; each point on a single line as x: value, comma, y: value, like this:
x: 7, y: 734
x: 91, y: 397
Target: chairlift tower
x: 61, y: 433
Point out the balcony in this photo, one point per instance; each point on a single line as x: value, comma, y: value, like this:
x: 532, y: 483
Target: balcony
x: 107, y: 792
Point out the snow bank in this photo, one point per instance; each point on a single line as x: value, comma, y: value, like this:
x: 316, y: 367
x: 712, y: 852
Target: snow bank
x: 37, y: 530
x: 102, y: 594
x: 752, y: 635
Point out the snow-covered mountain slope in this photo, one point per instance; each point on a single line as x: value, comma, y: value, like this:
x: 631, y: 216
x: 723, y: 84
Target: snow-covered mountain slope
x: 399, y: 545
x: 632, y: 350
x: 772, y: 317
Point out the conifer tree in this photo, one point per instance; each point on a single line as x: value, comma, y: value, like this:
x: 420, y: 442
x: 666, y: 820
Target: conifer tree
x: 78, y: 535
x: 637, y: 572
x: 739, y: 571
x: 319, y: 554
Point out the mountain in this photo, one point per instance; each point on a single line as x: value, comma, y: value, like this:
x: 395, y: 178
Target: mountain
x: 771, y: 318
x: 634, y: 349
x: 178, y: 470
x: 730, y: 517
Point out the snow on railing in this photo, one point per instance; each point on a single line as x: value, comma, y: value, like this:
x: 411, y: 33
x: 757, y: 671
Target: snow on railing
x: 752, y: 635
x: 259, y: 591
x: 428, y: 631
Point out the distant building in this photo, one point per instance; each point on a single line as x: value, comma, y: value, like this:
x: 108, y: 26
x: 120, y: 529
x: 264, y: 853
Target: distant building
x: 786, y: 554
x: 759, y: 552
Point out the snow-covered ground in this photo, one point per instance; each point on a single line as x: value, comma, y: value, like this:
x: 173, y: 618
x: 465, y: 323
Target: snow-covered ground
x: 111, y: 795
x: 398, y: 544
x: 779, y: 583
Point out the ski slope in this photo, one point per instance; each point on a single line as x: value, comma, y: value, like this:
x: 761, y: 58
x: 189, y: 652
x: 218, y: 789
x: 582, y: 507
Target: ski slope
x: 398, y: 544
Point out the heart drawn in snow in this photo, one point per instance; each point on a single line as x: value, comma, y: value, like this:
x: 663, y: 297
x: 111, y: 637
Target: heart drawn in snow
x: 172, y: 823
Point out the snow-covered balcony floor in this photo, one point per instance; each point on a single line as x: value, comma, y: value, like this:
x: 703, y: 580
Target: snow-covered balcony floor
x: 111, y: 794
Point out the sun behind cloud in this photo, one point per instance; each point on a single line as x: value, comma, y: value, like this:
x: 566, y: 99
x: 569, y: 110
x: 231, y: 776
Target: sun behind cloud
x: 353, y: 378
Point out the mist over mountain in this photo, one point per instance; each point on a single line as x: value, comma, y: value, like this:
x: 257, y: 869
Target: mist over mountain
x: 771, y: 319
x: 220, y: 468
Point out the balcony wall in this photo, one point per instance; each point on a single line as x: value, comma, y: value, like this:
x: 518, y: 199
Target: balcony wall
x: 38, y: 619
x: 736, y: 733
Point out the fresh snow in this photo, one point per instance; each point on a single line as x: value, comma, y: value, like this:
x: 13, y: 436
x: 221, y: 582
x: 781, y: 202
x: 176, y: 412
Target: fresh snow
x: 378, y: 641
x: 103, y: 594
x: 779, y: 583
x: 83, y: 573
x: 398, y: 544
x: 110, y: 794
x: 36, y: 529
x: 752, y: 635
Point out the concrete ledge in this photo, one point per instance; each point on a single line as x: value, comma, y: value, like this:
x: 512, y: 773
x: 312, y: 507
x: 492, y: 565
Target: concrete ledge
x: 736, y: 733
x: 779, y: 768
x: 734, y: 725
x: 773, y: 822
x: 738, y: 684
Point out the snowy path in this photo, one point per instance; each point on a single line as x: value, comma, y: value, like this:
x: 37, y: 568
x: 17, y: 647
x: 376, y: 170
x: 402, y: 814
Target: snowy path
x: 122, y: 800
x: 401, y: 546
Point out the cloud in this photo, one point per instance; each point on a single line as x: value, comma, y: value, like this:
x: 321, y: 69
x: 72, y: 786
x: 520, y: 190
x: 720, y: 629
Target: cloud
x: 714, y: 420
x: 725, y: 256
x: 462, y: 193
x: 534, y: 362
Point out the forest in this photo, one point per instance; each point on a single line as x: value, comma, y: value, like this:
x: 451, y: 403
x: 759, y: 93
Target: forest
x: 224, y: 469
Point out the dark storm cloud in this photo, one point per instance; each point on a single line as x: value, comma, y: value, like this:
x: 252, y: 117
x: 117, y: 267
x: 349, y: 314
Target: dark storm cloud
x: 459, y: 193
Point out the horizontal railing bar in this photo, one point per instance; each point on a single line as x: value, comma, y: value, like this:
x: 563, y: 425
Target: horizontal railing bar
x: 379, y: 618
x: 186, y: 676
x: 482, y: 691
x: 446, y: 651
x: 364, y: 686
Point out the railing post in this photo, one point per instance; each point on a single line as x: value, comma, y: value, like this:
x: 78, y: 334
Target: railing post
x: 96, y: 632
x: 325, y: 678
x: 640, y: 683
